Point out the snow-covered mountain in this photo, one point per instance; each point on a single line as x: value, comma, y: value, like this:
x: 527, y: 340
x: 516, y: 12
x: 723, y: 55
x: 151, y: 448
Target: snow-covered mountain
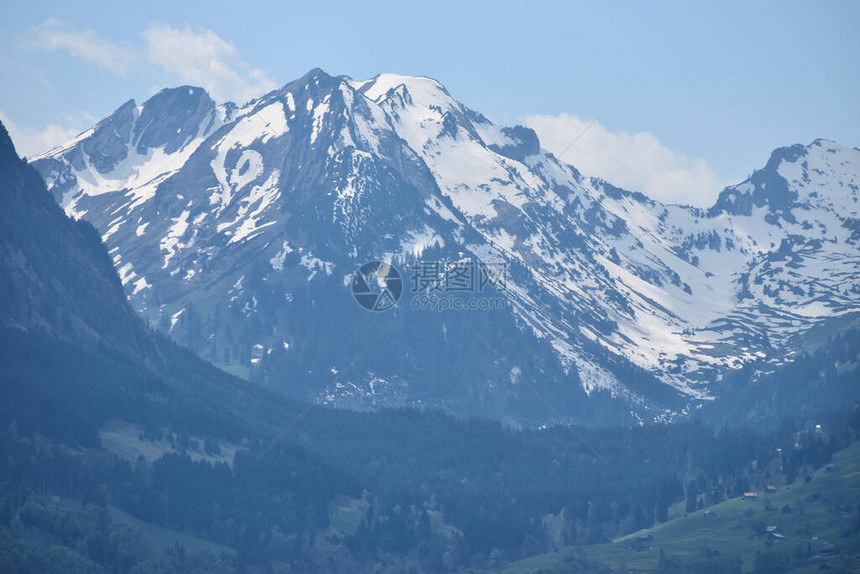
x: 238, y: 229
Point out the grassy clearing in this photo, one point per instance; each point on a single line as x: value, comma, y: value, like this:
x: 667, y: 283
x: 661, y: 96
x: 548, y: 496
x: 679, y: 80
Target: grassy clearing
x: 123, y: 439
x: 162, y: 538
x: 346, y: 515
x: 823, y: 510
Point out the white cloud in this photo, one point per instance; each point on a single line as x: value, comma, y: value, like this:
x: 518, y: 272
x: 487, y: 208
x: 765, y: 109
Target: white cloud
x: 199, y: 56
x: 186, y: 55
x: 29, y: 142
x: 54, y: 35
x: 638, y: 162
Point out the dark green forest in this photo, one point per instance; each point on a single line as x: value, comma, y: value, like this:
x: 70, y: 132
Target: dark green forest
x: 494, y: 486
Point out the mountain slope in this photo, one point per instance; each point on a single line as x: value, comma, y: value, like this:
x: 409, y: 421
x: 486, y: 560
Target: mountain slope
x: 237, y: 231
x: 74, y: 352
x: 822, y: 515
x: 125, y: 418
x: 55, y: 268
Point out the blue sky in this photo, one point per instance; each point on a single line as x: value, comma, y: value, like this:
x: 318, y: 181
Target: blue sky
x: 693, y: 96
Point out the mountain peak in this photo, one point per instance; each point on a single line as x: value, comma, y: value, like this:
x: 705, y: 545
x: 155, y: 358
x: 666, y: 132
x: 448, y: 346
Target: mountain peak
x: 315, y: 74
x: 820, y: 142
x: 421, y: 88
x: 7, y: 148
x: 314, y: 82
x: 313, y: 77
x: 788, y: 153
x: 778, y: 185
x: 172, y: 116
